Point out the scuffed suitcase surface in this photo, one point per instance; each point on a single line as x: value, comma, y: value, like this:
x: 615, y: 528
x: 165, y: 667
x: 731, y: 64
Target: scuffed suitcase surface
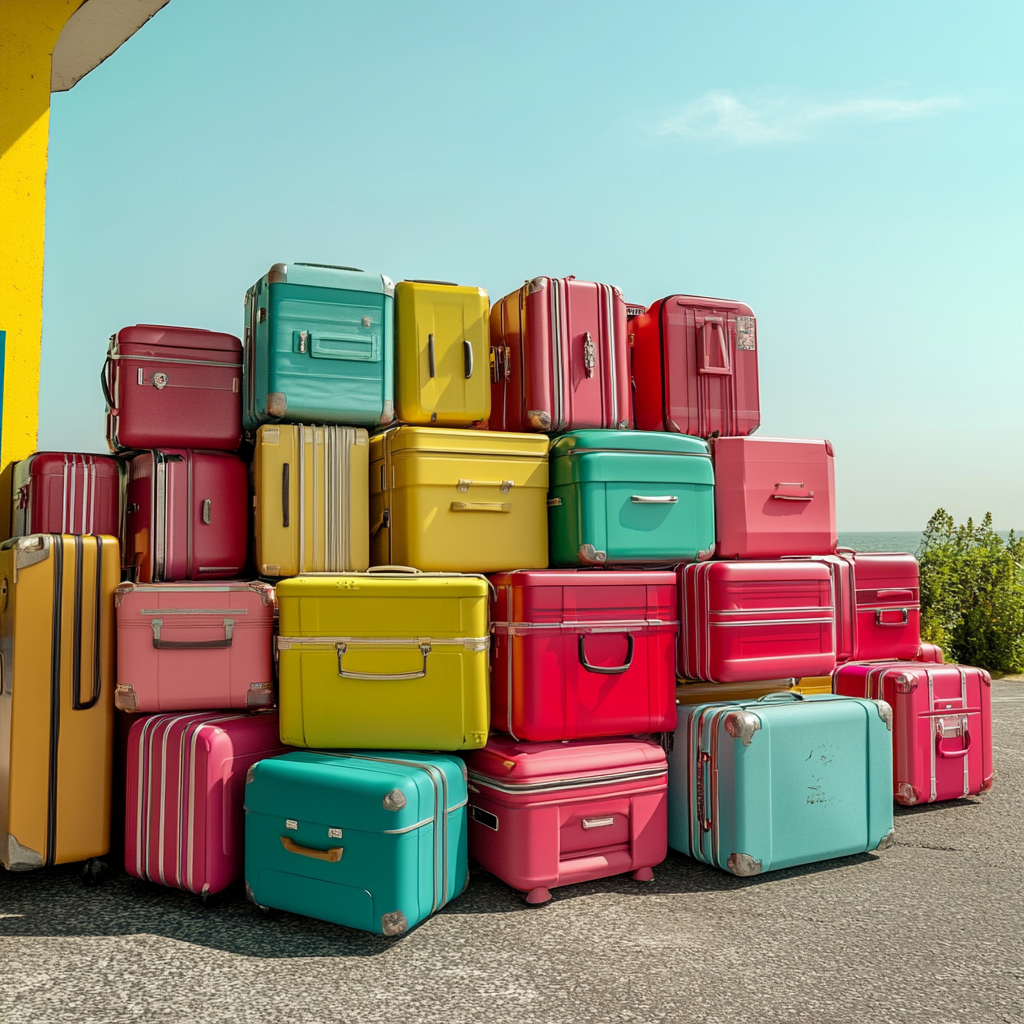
x: 66, y: 492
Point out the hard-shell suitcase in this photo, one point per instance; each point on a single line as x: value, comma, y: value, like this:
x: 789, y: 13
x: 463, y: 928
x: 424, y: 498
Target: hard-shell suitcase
x: 548, y: 814
x: 442, y: 377
x: 630, y: 498
x: 690, y: 691
x: 580, y: 654
x: 173, y: 387
x: 458, y: 500
x: 369, y: 841
x: 780, y: 781
x: 65, y: 492
x: 319, y: 347
x: 560, y: 358
x: 942, y: 725
x: 750, y: 620
x: 813, y: 684
x: 194, y: 646
x: 384, y: 659
x: 184, y: 816
x: 311, y: 503
x: 695, y: 367
x: 930, y: 653
x: 775, y: 496
x: 186, y: 516
x: 56, y: 698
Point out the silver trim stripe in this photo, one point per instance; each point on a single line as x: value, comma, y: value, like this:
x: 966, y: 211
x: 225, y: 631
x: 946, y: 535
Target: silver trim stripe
x: 475, y: 643
x: 554, y: 785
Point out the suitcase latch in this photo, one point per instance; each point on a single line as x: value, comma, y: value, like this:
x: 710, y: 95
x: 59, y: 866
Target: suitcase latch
x: 589, y: 354
x: 952, y: 727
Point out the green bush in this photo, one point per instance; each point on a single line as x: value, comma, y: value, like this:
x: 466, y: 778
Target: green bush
x: 972, y: 593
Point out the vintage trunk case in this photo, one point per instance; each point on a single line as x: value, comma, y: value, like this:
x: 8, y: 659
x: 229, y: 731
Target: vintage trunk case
x: 66, y: 492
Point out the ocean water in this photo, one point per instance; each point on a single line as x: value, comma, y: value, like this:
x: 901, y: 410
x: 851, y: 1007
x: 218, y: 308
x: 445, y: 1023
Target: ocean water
x: 907, y: 541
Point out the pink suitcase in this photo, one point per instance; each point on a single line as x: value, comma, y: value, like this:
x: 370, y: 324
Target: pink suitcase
x: 194, y: 646
x: 931, y: 653
x: 184, y: 815
x: 66, y: 492
x: 560, y: 358
x: 579, y: 654
x: 942, y: 725
x: 548, y: 814
x: 752, y: 621
x: 186, y: 516
x: 774, y: 496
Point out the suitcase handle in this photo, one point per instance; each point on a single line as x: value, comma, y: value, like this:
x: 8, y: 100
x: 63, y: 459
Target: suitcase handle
x: 953, y: 754
x: 332, y: 854
x: 105, y: 385
x: 192, y: 645
x: 781, y: 695
x: 600, y: 669
x: 723, y: 347
x: 394, y: 568
x: 481, y: 506
x: 881, y: 611
x: 424, y: 650
x: 467, y: 353
x: 430, y: 355
x: 286, y: 490
x: 647, y: 499
x: 895, y: 595
x: 790, y: 496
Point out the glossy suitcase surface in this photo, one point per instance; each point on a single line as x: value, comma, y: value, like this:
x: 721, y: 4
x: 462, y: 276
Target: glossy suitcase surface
x: 442, y: 377
x: 458, y: 500
x: 626, y: 497
x: 65, y: 492
x: 375, y: 842
x: 745, y: 796
x: 385, y: 659
x: 184, y: 816
x: 194, y: 646
x: 888, y: 610
x: 581, y: 654
x: 942, y: 725
x: 57, y: 698
x: 319, y: 347
x: 311, y: 503
x: 186, y: 516
x: 931, y: 653
x: 695, y: 367
x: 548, y: 814
x: 173, y: 387
x: 560, y: 357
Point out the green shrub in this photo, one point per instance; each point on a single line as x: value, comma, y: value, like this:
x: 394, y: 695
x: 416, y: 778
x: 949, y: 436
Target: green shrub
x: 972, y: 593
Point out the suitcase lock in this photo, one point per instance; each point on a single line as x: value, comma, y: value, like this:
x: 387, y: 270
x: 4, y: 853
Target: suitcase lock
x: 589, y: 355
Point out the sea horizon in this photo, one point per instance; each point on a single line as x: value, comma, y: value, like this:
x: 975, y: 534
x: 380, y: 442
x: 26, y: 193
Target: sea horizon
x: 891, y: 540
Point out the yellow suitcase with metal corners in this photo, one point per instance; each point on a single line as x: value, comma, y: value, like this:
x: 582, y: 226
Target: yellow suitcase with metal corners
x: 814, y: 684
x: 689, y: 692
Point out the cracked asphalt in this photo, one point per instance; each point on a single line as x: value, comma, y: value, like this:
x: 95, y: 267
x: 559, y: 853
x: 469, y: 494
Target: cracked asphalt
x: 928, y: 932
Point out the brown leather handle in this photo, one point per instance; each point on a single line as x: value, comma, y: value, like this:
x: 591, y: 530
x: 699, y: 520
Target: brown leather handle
x: 332, y: 854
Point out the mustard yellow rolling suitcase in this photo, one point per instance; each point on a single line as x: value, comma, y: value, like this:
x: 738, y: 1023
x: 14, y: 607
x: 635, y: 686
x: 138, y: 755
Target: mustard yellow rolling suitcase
x: 387, y: 659
x: 689, y: 692
x: 57, y: 700
x: 458, y: 500
x: 814, y: 684
x: 311, y: 501
x: 442, y: 348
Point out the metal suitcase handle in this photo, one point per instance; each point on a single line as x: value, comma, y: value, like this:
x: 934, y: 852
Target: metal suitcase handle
x: 467, y: 353
x: 881, y: 611
x: 332, y: 854
x: 374, y: 676
x: 780, y: 695
x: 430, y: 354
x: 792, y: 497
x: 192, y: 645
x: 648, y: 499
x: 614, y: 670
x: 481, y: 506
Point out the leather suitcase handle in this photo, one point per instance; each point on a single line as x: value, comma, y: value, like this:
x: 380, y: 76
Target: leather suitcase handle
x: 285, y: 495
x: 481, y: 506
x: 430, y: 354
x: 332, y: 854
x: 601, y: 670
x: 192, y: 645
x: 105, y: 385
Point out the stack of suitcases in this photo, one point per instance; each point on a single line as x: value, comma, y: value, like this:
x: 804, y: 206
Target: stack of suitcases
x: 403, y: 580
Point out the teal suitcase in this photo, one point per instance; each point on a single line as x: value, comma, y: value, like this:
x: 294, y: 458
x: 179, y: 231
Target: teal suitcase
x: 370, y: 841
x: 319, y: 347
x: 630, y: 497
x: 759, y: 785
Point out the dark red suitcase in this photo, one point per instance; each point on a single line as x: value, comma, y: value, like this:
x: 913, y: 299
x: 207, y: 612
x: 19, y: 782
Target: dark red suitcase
x: 66, y: 492
x: 186, y: 516
x: 173, y: 387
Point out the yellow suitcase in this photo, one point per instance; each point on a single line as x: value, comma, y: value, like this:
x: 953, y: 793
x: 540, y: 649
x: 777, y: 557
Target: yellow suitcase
x: 442, y: 347
x: 57, y: 701
x: 311, y: 502
x: 459, y: 500
x: 389, y: 659
x: 689, y: 692
x: 814, y: 684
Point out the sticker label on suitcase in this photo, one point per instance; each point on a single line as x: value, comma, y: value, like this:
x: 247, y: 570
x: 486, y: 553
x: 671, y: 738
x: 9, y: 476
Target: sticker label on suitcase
x: 745, y: 334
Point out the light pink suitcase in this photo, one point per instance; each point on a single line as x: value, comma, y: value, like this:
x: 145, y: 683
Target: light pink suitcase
x: 194, y: 646
x: 184, y: 814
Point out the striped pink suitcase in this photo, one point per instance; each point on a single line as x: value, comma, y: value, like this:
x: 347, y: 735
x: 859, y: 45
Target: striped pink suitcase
x: 184, y: 816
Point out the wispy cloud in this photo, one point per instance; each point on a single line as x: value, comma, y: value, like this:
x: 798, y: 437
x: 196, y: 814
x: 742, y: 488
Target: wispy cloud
x: 721, y: 116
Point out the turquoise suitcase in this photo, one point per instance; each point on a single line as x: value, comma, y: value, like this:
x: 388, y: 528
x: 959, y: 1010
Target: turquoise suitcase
x: 319, y: 347
x: 370, y: 841
x: 630, y: 497
x: 759, y: 785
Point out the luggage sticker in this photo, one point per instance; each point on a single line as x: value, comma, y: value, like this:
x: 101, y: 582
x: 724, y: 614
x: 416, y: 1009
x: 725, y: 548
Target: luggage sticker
x: 745, y: 334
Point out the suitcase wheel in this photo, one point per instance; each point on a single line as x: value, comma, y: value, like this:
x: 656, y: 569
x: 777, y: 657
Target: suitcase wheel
x: 211, y: 899
x: 643, y: 875
x: 538, y: 895
x: 95, y: 871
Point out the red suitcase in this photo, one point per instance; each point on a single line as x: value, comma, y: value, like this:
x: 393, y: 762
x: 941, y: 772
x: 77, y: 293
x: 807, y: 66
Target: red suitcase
x: 549, y: 814
x: 560, y: 358
x: 752, y: 621
x: 173, y: 386
x: 931, y: 653
x: 66, y: 492
x: 774, y: 496
x: 186, y: 516
x: 583, y: 653
x: 942, y: 725
x: 695, y: 367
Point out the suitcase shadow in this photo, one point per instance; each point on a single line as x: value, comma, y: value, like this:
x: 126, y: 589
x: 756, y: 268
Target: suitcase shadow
x: 901, y: 811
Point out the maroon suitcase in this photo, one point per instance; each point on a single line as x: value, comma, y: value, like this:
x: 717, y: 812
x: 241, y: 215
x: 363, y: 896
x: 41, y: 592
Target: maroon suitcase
x: 66, y: 492
x: 186, y: 516
x: 173, y: 386
x: 560, y: 358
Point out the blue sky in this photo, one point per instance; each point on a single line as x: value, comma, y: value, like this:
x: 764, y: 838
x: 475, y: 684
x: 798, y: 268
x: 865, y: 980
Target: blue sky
x: 852, y: 171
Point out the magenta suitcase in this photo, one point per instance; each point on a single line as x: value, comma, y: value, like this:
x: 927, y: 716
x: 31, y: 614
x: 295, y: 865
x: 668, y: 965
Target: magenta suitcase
x: 194, y: 646
x: 942, y: 725
x: 66, y: 492
x: 186, y: 516
x: 173, y: 387
x: 184, y: 815
x: 774, y: 496
x: 548, y: 814
x: 746, y: 621
x: 931, y: 653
